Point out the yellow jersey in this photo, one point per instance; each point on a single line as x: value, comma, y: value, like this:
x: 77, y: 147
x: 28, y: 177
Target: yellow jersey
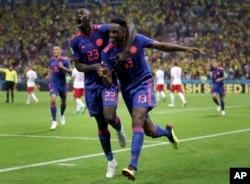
x: 9, y: 75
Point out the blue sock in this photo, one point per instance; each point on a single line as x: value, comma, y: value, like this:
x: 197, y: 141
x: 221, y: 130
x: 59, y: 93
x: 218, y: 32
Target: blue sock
x: 104, y: 137
x: 159, y: 132
x: 137, y: 142
x: 53, y: 111
x: 63, y: 107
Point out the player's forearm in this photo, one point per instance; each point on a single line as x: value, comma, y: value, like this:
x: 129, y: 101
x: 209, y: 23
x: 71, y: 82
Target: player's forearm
x: 169, y: 47
x: 68, y: 70
x: 107, y: 81
x: 83, y: 67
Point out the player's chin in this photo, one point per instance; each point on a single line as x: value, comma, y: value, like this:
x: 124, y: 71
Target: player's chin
x: 112, y: 41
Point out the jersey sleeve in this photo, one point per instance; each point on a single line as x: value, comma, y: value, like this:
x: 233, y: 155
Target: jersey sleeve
x: 144, y: 40
x: 104, y: 28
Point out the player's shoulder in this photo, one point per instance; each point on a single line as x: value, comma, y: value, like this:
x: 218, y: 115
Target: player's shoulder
x: 108, y: 48
x: 76, y: 35
x: 100, y: 26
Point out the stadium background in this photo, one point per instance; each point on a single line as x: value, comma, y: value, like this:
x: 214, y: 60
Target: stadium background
x: 220, y: 28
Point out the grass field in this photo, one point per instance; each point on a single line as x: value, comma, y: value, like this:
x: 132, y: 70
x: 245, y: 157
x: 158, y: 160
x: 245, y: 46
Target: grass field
x: 30, y: 153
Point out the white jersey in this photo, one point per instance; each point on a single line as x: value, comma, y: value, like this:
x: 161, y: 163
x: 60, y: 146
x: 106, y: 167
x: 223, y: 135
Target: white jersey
x: 176, y: 75
x: 159, y: 75
x: 78, y: 79
x: 31, y: 77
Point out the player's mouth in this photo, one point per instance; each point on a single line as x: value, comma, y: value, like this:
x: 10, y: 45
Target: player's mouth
x: 79, y: 22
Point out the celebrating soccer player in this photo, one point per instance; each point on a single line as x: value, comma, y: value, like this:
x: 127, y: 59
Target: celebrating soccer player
x: 136, y: 82
x: 101, y: 102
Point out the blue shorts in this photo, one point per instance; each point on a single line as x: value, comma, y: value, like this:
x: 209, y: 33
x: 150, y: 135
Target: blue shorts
x: 218, y: 90
x: 140, y: 96
x: 58, y: 90
x: 96, y: 99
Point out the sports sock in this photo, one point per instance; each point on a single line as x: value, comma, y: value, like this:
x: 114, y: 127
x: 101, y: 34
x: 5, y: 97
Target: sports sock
x: 34, y: 97
x: 157, y: 95
x: 79, y: 102
x: 163, y: 94
x: 63, y: 107
x: 53, y: 111
x: 172, y: 98
x: 104, y: 137
x: 159, y: 132
x: 182, y: 97
x: 28, y: 99
x: 12, y: 97
x: 137, y: 142
x: 216, y: 101
x: 117, y: 124
x: 7, y: 97
x: 222, y: 105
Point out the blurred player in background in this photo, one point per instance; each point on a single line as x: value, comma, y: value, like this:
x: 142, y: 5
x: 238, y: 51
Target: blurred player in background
x: 31, y: 77
x: 160, y: 84
x: 78, y: 90
x: 59, y: 66
x: 101, y: 102
x: 218, y: 75
x: 176, y: 85
x: 11, y: 80
x: 136, y: 82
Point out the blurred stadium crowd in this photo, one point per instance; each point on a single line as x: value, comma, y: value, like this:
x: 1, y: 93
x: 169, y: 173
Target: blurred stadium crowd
x: 29, y: 28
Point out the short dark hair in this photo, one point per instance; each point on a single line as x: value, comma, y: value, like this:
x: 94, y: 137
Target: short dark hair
x: 118, y: 20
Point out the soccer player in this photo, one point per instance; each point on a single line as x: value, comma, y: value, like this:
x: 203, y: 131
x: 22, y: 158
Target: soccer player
x: 10, y: 81
x: 31, y: 76
x: 78, y: 90
x: 176, y: 85
x: 59, y: 66
x: 160, y: 82
x: 136, y: 82
x: 101, y: 102
x: 218, y: 75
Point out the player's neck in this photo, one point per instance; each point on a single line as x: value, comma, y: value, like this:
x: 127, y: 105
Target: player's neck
x: 86, y: 31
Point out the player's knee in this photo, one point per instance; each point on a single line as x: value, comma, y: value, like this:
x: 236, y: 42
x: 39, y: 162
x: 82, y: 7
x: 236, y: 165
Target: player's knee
x: 110, y: 118
x: 148, y: 133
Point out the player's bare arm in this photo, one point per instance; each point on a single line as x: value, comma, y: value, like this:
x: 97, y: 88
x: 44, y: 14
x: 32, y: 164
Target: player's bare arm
x: 85, y: 68
x: 170, y: 47
x: 68, y: 70
x: 48, y: 76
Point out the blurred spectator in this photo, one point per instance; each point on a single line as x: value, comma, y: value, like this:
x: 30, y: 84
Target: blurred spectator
x: 29, y: 34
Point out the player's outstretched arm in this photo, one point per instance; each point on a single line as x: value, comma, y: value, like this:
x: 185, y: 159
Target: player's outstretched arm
x: 171, y: 47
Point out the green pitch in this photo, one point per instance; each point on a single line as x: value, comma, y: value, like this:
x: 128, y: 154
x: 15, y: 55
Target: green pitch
x: 30, y: 153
